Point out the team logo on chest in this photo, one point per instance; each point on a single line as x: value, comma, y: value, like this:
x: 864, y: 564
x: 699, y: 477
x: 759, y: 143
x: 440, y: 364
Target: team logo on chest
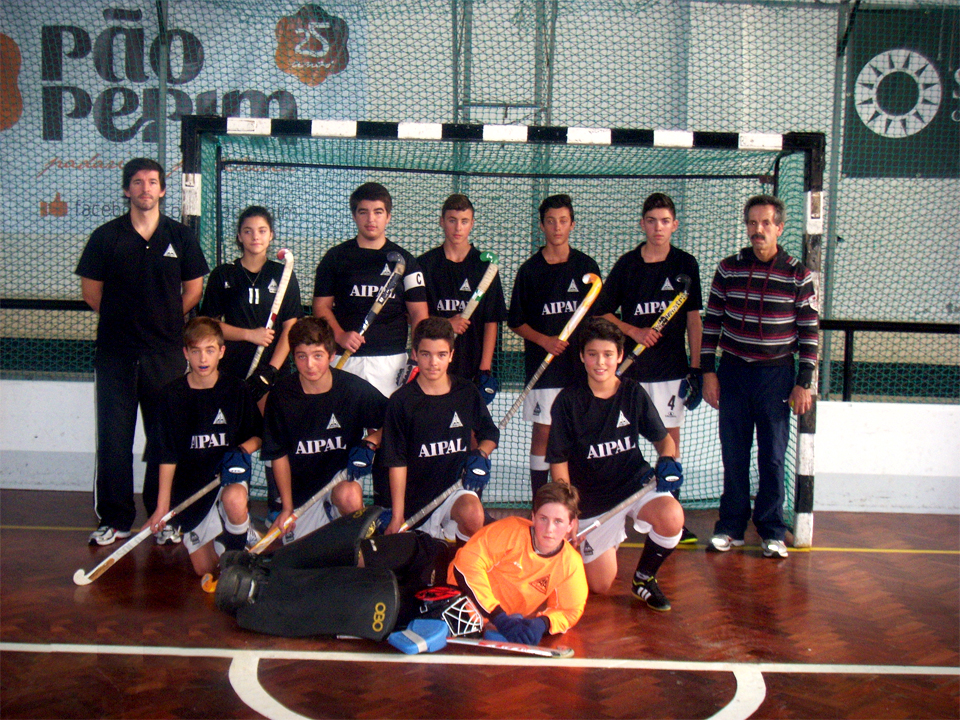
x: 541, y: 584
x: 455, y: 423
x: 315, y: 447
x: 444, y: 447
x: 170, y: 252
x: 220, y: 419
x: 272, y: 287
x: 573, y: 287
x: 611, y: 448
x: 622, y: 420
x: 333, y: 424
x: 654, y: 307
x: 450, y: 305
x: 560, y: 307
x: 666, y: 285
x: 466, y: 285
x: 386, y: 270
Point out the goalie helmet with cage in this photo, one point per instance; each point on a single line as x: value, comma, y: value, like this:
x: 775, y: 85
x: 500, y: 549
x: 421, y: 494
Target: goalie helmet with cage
x: 453, y: 607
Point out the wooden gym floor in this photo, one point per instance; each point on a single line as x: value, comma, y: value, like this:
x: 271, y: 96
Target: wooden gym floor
x: 864, y: 625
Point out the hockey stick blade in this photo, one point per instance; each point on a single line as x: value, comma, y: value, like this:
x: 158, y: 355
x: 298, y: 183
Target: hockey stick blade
x: 595, y: 285
x: 560, y: 652
x: 209, y: 584
x: 399, y: 267
x: 82, y: 578
x: 665, y: 317
x: 287, y: 258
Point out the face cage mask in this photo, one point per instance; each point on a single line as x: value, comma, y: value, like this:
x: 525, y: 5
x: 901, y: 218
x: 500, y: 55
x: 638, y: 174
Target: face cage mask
x: 453, y: 607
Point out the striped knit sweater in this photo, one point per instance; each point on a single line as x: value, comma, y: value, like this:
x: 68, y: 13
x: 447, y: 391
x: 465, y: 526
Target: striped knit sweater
x: 762, y: 313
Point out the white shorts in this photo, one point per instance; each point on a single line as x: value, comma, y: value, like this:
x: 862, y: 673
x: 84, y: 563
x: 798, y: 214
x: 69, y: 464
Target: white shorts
x: 440, y: 525
x: 666, y: 398
x: 381, y: 371
x: 208, y: 528
x: 537, y: 404
x: 316, y: 516
x: 613, y: 532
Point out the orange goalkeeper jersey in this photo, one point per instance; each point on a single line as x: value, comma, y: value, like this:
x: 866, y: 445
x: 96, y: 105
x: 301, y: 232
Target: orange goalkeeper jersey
x: 498, y: 566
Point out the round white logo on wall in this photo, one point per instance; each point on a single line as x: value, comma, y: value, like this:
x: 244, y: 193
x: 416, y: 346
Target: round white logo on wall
x: 898, y: 93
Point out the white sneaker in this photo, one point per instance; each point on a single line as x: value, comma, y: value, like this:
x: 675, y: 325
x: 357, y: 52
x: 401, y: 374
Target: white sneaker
x: 723, y: 543
x: 774, y: 548
x: 170, y: 535
x: 106, y: 535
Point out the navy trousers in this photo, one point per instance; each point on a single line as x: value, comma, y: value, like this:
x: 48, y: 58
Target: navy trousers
x: 753, y: 397
x: 125, y: 382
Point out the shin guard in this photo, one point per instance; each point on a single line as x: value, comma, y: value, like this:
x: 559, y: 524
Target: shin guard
x: 336, y: 544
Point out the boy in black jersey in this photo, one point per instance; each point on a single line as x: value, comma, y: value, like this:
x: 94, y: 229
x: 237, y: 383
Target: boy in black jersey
x: 209, y: 424
x: 315, y: 421
x: 430, y: 426
x: 593, y: 445
x: 451, y: 273
x: 348, y: 279
x: 640, y: 287
x: 548, y: 290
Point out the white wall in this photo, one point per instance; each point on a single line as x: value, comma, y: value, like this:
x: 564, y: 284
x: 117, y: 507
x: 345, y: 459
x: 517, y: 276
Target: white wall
x: 870, y: 457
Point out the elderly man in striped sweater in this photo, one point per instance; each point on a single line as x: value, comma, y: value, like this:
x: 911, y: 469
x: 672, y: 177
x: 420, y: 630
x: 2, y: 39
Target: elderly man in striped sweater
x: 761, y: 311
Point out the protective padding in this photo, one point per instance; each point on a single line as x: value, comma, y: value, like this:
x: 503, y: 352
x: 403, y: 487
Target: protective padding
x: 336, y: 544
x: 420, y: 636
x: 295, y: 602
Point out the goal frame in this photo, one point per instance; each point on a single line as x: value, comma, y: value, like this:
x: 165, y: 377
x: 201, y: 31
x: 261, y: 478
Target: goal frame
x: 811, y: 144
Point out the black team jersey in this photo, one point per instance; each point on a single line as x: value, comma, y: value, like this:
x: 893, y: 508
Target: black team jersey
x: 141, y: 310
x: 430, y: 436
x: 244, y: 299
x: 639, y: 291
x: 598, y: 439
x: 353, y: 276
x: 544, y: 297
x: 316, y: 432
x: 196, y: 428
x: 450, y: 286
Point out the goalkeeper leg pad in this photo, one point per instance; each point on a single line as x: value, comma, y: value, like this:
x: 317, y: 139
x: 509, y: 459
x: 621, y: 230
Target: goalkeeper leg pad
x: 336, y: 544
x: 329, y: 601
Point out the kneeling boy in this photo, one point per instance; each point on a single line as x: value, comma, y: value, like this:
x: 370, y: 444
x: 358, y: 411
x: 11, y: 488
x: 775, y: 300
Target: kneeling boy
x: 427, y: 439
x: 209, y: 424
x: 593, y: 445
x: 521, y: 574
x: 315, y: 421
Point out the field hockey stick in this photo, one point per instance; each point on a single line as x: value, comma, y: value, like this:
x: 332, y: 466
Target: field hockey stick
x: 618, y: 508
x: 489, y: 274
x: 287, y: 258
x: 547, y: 652
x: 399, y: 266
x: 82, y: 578
x: 666, y: 316
x: 210, y: 585
x: 596, y: 284
x: 430, y: 506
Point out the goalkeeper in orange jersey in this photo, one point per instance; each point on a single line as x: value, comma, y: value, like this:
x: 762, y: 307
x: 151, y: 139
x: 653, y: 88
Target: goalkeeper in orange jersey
x: 521, y: 574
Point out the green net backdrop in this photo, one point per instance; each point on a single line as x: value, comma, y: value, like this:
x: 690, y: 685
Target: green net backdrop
x: 81, y: 95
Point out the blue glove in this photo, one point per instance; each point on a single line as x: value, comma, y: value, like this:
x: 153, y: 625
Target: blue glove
x: 489, y: 387
x: 235, y: 467
x: 669, y: 474
x: 360, y: 459
x: 517, y: 629
x: 476, y: 471
x: 691, y: 388
x: 261, y: 381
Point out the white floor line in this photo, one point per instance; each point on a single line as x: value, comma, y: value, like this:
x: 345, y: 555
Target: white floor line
x: 490, y: 658
x: 751, y: 690
x: 246, y: 683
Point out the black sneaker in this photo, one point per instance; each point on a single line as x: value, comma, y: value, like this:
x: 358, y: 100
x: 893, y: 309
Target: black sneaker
x: 649, y: 591
x: 687, y: 537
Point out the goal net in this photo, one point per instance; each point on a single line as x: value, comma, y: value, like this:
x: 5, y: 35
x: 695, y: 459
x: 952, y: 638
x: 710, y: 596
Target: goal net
x: 306, y: 180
